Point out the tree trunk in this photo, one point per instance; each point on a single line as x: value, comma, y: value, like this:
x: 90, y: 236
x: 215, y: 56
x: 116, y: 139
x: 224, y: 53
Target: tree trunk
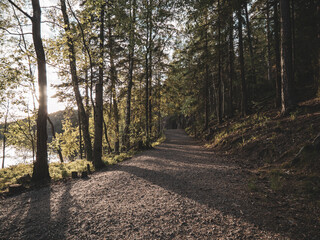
x: 80, y: 137
x: 206, y: 80
x: 150, y: 66
x: 40, y: 168
x: 268, y: 42
x: 126, y: 135
x: 253, y: 69
x: 74, y: 77
x: 106, y: 136
x: 98, y: 119
x: 113, y: 78
x: 147, y: 80
x: 231, y: 64
x: 244, y: 107
x: 286, y: 58
x: 277, y: 53
x: 54, y: 136
x: 219, y: 95
x: 5, y: 127
x: 293, y: 40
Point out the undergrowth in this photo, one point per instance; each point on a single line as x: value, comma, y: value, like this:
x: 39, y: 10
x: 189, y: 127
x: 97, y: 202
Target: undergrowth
x: 11, y: 175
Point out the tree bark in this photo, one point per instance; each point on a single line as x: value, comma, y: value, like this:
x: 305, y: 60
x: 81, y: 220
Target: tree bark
x: 268, y: 42
x: 98, y: 119
x: 40, y: 168
x: 231, y: 64
x: 277, y: 54
x: 113, y: 78
x: 219, y: 95
x: 244, y: 106
x: 75, y: 83
x: 253, y: 69
x: 126, y: 135
x: 206, y: 84
x: 286, y: 58
x: 106, y: 136
x: 5, y: 128
x: 147, y: 79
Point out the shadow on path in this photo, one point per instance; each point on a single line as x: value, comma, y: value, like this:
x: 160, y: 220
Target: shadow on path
x: 183, y: 166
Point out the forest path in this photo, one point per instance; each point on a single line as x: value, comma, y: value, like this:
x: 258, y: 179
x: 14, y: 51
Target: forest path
x: 179, y: 190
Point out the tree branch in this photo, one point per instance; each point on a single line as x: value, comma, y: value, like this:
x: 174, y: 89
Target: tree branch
x: 17, y: 7
x: 11, y: 33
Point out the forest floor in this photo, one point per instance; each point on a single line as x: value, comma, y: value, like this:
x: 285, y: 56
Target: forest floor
x: 178, y: 190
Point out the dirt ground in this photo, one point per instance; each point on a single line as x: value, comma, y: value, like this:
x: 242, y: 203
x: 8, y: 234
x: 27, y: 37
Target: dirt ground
x: 179, y: 190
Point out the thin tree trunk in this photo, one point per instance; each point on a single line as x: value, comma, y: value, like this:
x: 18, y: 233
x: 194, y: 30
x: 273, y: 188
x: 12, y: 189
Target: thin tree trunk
x: 80, y: 137
x: 293, y: 40
x: 126, y: 136
x: 219, y: 95
x: 277, y: 53
x: 54, y: 136
x: 231, y: 64
x: 5, y: 128
x: 106, y: 136
x: 253, y: 69
x: 98, y: 126
x: 113, y: 78
x: 206, y: 80
x: 147, y: 80
x: 74, y: 77
x: 268, y: 42
x: 159, y: 107
x: 241, y: 59
x: 150, y: 66
x: 286, y: 58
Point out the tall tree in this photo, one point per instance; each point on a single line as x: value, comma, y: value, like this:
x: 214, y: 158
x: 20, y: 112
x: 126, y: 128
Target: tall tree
x: 75, y: 82
x: 231, y: 61
x: 98, y: 119
x: 244, y: 106
x: 277, y: 54
x: 286, y: 58
x: 114, y: 79
x: 126, y: 136
x: 41, y: 168
x: 252, y: 63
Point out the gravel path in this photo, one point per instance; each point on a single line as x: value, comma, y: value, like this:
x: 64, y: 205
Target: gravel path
x: 178, y: 190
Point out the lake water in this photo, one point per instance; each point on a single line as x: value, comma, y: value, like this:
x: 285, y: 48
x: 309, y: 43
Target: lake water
x: 16, y: 156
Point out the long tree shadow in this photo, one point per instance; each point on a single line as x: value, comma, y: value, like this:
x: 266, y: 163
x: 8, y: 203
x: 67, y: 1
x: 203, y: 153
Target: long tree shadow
x: 60, y: 225
x: 13, y: 228
x: 39, y: 208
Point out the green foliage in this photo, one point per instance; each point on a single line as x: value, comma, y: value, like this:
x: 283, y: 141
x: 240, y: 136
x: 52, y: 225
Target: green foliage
x: 68, y: 140
x: 63, y: 170
x: 22, y: 133
x: 10, y: 175
x: 57, y: 171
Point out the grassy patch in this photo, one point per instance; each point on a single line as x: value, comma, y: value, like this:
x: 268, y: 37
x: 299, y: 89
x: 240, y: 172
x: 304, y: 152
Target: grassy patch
x: 63, y: 170
x: 57, y: 171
